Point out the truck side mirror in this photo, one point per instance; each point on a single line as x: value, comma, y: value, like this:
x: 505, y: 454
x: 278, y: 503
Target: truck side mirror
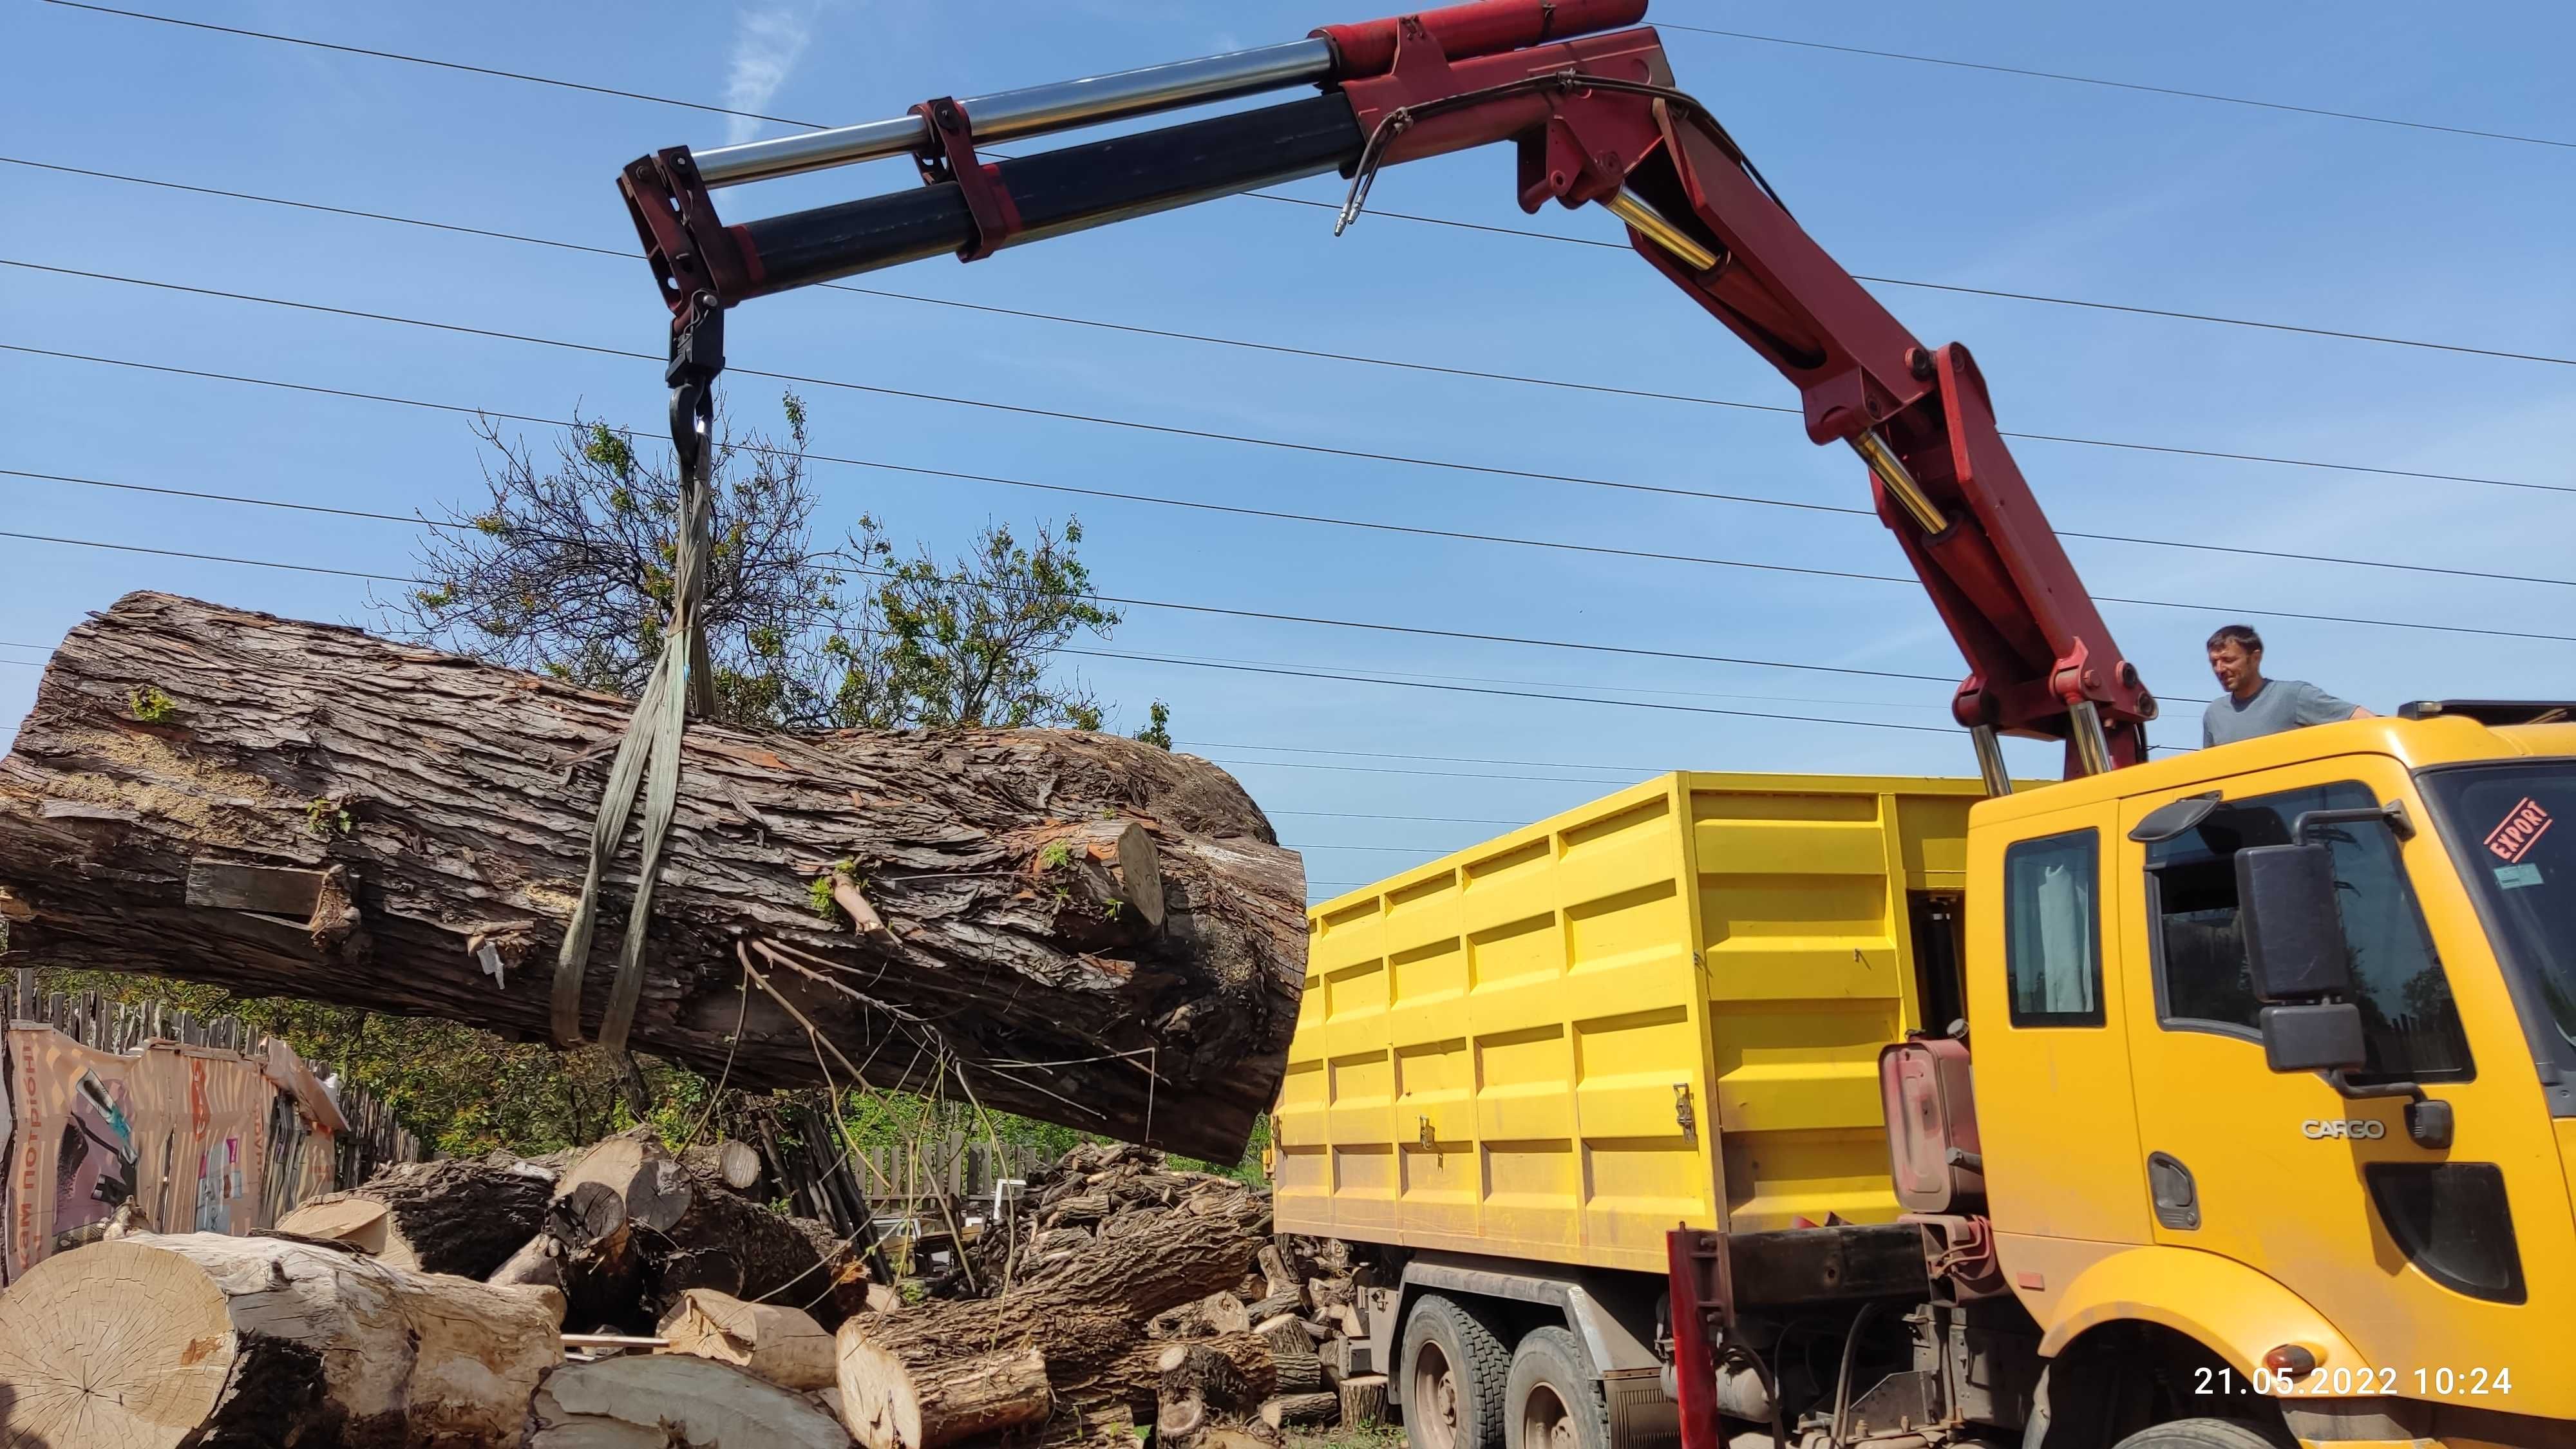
x: 2321, y: 1037
x: 2285, y: 897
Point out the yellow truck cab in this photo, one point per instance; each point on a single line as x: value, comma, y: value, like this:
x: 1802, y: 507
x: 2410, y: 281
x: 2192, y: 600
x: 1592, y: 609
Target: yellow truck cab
x: 1654, y: 1121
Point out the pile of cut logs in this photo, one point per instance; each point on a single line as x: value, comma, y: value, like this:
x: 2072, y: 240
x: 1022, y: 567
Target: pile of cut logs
x: 1279, y: 1347
x: 429, y: 1307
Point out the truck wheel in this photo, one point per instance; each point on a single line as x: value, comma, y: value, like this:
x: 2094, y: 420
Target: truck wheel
x: 2201, y: 1434
x: 1555, y: 1397
x: 1455, y: 1372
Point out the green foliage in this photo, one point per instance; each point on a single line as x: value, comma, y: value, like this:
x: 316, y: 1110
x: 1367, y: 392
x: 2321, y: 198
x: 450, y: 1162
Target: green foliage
x: 1158, y: 726
x: 1056, y: 856
x: 973, y: 643
x: 819, y: 894
x: 148, y: 704
x: 1248, y: 1169
x: 323, y: 813
x: 568, y: 570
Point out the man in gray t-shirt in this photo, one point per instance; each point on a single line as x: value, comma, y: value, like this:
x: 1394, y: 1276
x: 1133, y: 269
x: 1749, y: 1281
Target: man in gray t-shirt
x: 2254, y: 705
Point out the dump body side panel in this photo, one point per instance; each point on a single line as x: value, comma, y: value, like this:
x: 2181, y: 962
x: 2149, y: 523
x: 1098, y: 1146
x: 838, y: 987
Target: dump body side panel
x: 1663, y: 1007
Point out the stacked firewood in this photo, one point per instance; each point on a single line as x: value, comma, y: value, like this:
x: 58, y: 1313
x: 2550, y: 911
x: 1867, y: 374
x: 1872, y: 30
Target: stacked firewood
x: 1298, y: 1309
x: 623, y: 1230
x: 436, y: 1299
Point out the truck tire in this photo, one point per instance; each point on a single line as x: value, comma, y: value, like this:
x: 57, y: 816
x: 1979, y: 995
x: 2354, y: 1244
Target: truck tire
x: 2201, y: 1434
x: 1456, y: 1373
x: 1553, y: 1396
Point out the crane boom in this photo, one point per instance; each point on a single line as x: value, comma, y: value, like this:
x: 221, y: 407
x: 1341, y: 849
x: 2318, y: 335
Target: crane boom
x: 1593, y: 112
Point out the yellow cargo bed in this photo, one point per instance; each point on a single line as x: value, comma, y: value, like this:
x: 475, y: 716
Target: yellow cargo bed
x: 1663, y: 1007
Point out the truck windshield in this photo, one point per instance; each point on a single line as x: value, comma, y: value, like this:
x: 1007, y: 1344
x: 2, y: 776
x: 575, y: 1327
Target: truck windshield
x: 2514, y: 830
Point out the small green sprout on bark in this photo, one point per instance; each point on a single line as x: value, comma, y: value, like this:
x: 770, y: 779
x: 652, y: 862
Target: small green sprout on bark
x: 1056, y: 856
x: 819, y: 895
x: 148, y: 704
x: 323, y: 813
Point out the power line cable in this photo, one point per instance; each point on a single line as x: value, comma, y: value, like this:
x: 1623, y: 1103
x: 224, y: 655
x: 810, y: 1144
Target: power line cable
x: 412, y: 519
x: 1463, y: 635
x: 1505, y: 693
x: 1427, y: 852
x: 1704, y: 560
x: 425, y: 60
x: 1941, y: 709
x: 2127, y: 308
x: 1238, y: 762
x: 1087, y: 653
x: 1438, y: 368
x: 1410, y: 819
x: 1571, y: 479
x: 1432, y: 759
x: 628, y: 255
x: 2133, y: 309
x: 257, y: 563
x: 2124, y: 85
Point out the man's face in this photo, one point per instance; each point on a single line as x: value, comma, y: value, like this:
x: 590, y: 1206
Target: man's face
x: 2233, y: 665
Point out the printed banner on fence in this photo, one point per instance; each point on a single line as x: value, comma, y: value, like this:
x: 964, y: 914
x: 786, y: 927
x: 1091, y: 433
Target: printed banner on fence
x: 182, y: 1133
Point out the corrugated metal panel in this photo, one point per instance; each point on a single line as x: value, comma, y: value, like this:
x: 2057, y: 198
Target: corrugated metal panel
x: 1664, y: 1006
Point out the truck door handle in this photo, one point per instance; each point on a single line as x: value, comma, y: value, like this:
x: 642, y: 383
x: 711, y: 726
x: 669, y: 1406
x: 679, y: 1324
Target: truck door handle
x: 2177, y: 1197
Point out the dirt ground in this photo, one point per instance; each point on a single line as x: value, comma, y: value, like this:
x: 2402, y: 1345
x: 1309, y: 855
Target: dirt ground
x: 1374, y: 1436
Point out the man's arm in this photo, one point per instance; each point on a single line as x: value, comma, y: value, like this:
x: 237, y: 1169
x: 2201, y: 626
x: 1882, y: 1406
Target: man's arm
x: 2316, y: 707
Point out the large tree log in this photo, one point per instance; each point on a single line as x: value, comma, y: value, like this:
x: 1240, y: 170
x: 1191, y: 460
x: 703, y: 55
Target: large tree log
x: 154, y: 1341
x: 888, y: 1403
x: 1087, y: 1318
x: 1135, y: 1378
x: 461, y: 1215
x: 414, y: 824
x: 1290, y: 1411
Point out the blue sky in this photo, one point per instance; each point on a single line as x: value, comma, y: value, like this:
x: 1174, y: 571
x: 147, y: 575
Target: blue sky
x: 1902, y: 170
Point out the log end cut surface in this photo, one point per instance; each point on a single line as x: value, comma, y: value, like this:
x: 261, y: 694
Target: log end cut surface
x: 117, y: 1346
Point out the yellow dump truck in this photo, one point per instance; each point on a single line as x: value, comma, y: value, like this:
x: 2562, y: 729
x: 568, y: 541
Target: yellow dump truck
x: 1654, y: 1120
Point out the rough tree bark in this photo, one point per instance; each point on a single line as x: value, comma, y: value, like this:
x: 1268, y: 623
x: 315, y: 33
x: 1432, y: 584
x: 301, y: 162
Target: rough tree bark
x: 1088, y: 1317
x: 1363, y: 1400
x: 461, y: 1215
x: 399, y: 829
x: 1135, y: 1378
x: 151, y: 1341
x: 887, y: 1403
x: 1290, y: 1411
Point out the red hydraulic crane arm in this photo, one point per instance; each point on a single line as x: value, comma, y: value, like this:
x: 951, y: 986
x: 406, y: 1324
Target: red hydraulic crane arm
x: 1595, y: 118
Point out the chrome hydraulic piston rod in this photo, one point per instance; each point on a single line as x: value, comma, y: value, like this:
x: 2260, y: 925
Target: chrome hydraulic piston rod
x: 1035, y: 111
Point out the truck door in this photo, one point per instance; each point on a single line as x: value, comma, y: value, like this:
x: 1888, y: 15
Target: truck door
x: 2409, y: 1250
x: 2062, y: 1163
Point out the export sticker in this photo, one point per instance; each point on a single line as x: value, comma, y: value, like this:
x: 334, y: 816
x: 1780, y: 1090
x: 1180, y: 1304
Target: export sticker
x: 2515, y: 877
x: 2523, y: 826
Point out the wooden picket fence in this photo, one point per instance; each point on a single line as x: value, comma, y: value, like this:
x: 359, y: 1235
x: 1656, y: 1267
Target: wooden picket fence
x: 955, y: 1166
